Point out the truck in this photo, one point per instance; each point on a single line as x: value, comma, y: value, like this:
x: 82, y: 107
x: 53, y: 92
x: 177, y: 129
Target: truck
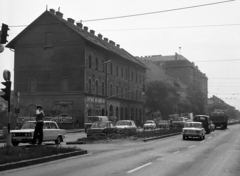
x: 188, y: 116
x: 219, y: 118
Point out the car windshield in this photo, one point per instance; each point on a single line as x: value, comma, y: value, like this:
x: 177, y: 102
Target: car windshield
x: 28, y: 125
x: 123, y: 123
x: 177, y: 119
x: 92, y: 119
x: 149, y: 122
x: 99, y: 125
x: 162, y: 122
x: 193, y: 125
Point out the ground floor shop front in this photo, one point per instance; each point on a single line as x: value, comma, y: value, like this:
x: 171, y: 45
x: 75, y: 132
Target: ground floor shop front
x: 72, y: 111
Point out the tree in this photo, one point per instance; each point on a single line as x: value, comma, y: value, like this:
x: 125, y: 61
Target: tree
x: 161, y: 97
x: 196, y: 99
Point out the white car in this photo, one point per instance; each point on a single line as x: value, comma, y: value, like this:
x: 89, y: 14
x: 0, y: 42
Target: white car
x: 193, y: 129
x: 149, y: 124
x: 125, y: 125
x: 51, y: 132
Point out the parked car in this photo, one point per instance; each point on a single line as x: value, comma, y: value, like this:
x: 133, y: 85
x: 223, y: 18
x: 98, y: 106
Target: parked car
x: 149, y: 124
x: 102, y: 128
x: 91, y: 119
x: 193, y: 129
x: 163, y: 124
x: 126, y: 125
x: 51, y: 132
x: 212, y: 126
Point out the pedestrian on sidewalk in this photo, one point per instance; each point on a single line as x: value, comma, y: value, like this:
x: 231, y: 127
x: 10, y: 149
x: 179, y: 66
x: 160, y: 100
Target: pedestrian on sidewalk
x: 38, y: 132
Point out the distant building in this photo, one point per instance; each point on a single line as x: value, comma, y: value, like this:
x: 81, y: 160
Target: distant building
x: 72, y: 72
x: 179, y: 67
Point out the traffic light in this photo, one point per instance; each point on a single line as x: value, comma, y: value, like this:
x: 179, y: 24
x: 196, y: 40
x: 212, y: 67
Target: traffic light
x: 4, y: 34
x: 7, y: 90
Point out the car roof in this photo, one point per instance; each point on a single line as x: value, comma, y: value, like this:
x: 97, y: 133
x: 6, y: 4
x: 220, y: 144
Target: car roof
x: 96, y: 116
x: 102, y: 121
x: 125, y: 120
x: 193, y: 122
x: 43, y: 121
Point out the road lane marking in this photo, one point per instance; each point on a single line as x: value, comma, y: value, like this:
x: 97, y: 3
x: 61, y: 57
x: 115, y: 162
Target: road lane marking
x: 192, y: 146
x: 209, y: 137
x: 202, y: 141
x: 139, y: 168
x: 176, y: 152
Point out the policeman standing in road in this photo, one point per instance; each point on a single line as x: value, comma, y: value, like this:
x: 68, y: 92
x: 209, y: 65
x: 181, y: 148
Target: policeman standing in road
x: 38, y: 133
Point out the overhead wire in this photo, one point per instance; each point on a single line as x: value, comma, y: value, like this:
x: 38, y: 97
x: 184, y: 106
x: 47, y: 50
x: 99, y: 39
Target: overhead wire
x: 162, y: 11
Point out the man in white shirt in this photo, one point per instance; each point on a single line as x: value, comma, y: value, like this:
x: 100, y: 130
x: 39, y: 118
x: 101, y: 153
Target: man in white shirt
x: 38, y: 132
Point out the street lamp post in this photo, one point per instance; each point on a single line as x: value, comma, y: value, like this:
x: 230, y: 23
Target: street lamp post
x: 94, y: 96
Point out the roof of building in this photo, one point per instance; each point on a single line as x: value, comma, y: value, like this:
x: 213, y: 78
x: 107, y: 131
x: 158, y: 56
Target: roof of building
x: 88, y: 36
x: 163, y: 58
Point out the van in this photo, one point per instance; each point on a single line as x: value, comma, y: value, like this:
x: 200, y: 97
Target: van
x: 91, y: 119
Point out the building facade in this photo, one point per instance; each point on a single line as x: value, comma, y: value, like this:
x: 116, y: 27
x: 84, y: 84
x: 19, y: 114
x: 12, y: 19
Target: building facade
x: 179, y: 67
x: 73, y: 73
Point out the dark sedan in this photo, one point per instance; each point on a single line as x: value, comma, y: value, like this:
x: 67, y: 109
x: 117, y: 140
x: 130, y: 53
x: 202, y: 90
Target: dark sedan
x: 101, y: 128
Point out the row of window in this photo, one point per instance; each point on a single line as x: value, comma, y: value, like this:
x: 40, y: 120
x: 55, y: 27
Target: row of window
x: 120, y: 91
x: 120, y: 71
x: 32, y: 86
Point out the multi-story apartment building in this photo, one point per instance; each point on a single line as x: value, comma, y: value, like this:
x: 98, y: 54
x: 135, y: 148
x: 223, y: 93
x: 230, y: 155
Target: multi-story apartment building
x: 72, y: 72
x: 181, y: 68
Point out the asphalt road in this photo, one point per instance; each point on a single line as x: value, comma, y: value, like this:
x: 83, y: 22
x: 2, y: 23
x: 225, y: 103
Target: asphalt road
x: 217, y: 155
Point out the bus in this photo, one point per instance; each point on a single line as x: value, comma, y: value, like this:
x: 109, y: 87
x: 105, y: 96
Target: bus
x: 205, y: 122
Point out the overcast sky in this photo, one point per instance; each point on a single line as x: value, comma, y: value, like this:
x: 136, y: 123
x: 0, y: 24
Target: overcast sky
x: 208, y: 32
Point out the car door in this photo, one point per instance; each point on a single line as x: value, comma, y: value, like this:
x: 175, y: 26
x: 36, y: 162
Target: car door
x: 46, y: 132
x: 54, y: 130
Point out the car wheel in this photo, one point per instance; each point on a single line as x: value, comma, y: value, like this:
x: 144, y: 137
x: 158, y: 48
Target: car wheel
x: 58, y: 140
x: 184, y: 137
x: 14, y: 143
x: 204, y: 136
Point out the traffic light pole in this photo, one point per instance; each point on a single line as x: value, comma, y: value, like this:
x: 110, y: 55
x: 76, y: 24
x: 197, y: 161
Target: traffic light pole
x: 7, y: 97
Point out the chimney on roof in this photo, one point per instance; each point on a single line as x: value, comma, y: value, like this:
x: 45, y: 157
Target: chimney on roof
x: 118, y: 45
x: 85, y: 28
x: 105, y: 39
x: 52, y: 11
x: 71, y: 20
x: 92, y: 32
x: 176, y: 56
x: 79, y: 25
x: 112, y: 42
x: 100, y: 36
x: 59, y: 14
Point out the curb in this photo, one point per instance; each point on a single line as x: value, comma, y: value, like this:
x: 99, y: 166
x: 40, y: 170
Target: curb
x: 163, y: 136
x: 75, y: 142
x: 25, y: 163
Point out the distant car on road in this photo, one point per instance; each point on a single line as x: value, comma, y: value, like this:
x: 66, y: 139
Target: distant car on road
x: 149, y: 124
x: 193, y: 129
x: 91, y: 119
x: 126, y: 125
x: 101, y: 128
x: 51, y: 132
x: 163, y: 124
